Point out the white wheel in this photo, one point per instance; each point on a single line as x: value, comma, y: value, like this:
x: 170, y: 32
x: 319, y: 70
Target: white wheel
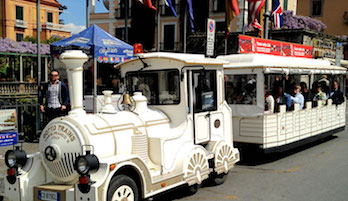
x: 224, y: 158
x: 123, y: 193
x: 123, y: 188
x: 196, y: 167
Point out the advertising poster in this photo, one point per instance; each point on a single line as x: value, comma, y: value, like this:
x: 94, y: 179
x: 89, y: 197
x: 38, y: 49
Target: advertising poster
x: 248, y: 44
x: 8, y: 127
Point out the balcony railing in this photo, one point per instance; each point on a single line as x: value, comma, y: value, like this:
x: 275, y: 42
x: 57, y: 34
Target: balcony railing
x: 13, y: 88
x: 56, y: 27
x: 120, y: 13
x: 170, y: 47
x: 21, y: 24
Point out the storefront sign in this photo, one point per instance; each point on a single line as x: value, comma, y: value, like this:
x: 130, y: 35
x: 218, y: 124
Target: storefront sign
x: 9, y: 138
x: 249, y: 44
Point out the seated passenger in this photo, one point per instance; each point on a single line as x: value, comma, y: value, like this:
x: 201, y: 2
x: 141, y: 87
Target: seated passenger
x: 304, y: 90
x: 250, y: 95
x: 278, y: 96
x: 269, y: 102
x: 298, y: 97
x: 320, y: 95
x: 336, y: 95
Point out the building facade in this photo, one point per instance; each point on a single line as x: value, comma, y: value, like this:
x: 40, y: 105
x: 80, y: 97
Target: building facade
x: 170, y: 28
x: 333, y: 13
x: 18, y: 19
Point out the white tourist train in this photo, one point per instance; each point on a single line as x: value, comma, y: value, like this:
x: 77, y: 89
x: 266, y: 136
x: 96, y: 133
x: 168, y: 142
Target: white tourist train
x: 179, y: 132
x: 250, y: 78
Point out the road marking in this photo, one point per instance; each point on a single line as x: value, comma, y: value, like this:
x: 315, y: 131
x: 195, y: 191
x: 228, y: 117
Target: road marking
x: 2, y: 157
x: 322, y: 154
x: 291, y: 170
x: 223, y: 195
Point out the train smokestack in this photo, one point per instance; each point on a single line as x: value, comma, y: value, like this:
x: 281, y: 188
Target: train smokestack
x: 73, y: 61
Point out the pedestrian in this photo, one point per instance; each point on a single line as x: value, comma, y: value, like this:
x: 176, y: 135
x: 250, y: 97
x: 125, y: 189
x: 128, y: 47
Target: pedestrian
x: 56, y: 95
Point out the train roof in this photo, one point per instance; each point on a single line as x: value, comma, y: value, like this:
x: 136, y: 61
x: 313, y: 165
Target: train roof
x: 187, y: 59
x: 242, y: 61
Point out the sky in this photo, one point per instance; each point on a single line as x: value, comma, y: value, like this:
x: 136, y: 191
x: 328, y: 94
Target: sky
x: 75, y: 14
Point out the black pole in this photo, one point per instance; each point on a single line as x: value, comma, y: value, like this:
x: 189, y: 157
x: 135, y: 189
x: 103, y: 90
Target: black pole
x: 243, y: 20
x: 38, y: 29
x: 126, y: 7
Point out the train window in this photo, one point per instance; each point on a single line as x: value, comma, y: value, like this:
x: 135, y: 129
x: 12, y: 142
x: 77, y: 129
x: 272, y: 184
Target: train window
x: 240, y: 89
x: 160, y: 87
x: 204, y: 90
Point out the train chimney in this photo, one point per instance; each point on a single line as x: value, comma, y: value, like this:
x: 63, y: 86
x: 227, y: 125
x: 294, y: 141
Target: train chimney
x: 73, y: 61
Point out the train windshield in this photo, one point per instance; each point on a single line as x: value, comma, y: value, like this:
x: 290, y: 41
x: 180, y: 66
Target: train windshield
x: 160, y: 87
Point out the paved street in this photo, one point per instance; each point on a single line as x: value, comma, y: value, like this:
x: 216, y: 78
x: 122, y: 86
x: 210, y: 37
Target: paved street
x: 314, y: 173
x: 318, y: 172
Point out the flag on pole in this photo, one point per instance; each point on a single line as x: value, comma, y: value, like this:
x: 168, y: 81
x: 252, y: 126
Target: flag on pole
x: 148, y: 3
x: 255, y: 8
x: 232, y: 10
x: 170, y: 5
x: 189, y: 4
x: 277, y: 13
x: 257, y: 25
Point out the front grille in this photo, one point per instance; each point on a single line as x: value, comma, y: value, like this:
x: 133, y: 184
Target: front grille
x: 63, y: 168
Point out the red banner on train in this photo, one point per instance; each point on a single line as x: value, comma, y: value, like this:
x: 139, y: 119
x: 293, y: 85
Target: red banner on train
x: 249, y: 44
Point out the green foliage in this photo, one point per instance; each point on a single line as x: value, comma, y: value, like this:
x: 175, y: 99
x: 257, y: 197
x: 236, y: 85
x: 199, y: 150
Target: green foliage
x: 52, y: 39
x: 30, y: 39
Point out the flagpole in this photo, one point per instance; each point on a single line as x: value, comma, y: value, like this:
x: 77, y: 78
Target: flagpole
x: 185, y: 28
x: 126, y: 7
x: 266, y: 20
x: 243, y: 21
x: 158, y: 26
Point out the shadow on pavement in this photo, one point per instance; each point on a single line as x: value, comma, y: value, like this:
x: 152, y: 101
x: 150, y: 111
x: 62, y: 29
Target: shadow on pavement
x: 253, y: 159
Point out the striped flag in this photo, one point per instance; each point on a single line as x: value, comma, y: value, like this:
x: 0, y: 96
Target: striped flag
x: 189, y: 4
x: 277, y: 13
x: 148, y: 3
x: 232, y: 10
x: 170, y: 5
x: 255, y: 8
x: 257, y: 25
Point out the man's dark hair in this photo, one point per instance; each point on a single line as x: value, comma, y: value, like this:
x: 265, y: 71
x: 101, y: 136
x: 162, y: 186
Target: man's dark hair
x: 54, y: 70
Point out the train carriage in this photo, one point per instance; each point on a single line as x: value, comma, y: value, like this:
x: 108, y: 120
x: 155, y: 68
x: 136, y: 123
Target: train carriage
x: 247, y: 76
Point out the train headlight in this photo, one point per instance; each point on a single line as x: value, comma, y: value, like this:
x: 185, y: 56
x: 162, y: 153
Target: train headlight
x: 85, y: 164
x: 15, y: 158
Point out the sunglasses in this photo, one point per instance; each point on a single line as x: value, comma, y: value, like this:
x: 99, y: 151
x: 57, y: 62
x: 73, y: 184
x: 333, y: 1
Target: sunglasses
x: 54, y: 75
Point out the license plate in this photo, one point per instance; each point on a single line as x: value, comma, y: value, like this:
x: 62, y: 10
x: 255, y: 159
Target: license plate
x: 49, y: 196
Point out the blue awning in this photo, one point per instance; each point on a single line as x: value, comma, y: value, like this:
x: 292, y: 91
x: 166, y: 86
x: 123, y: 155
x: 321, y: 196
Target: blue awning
x: 97, y: 43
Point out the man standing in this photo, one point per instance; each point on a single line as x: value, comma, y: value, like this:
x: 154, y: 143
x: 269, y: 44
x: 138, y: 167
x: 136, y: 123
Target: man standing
x: 336, y: 95
x: 56, y: 96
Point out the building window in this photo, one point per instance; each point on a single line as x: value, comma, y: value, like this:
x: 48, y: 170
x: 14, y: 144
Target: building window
x: 317, y: 7
x: 19, y: 13
x: 120, y: 33
x: 219, y: 6
x: 168, y: 37
x: 19, y: 37
x: 49, y: 17
x: 285, y: 4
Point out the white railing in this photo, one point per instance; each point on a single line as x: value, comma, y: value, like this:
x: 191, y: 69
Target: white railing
x: 53, y: 26
x: 21, y: 23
